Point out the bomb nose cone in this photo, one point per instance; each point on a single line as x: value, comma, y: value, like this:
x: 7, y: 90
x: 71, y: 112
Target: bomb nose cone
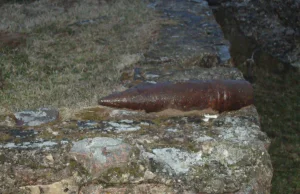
x: 220, y: 95
x: 117, y: 100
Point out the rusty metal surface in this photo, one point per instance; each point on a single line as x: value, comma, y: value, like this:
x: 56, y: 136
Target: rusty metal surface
x: 219, y: 95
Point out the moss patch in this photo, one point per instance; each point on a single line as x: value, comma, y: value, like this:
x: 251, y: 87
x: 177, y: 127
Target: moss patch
x: 92, y: 114
x: 122, y: 174
x: 5, y: 137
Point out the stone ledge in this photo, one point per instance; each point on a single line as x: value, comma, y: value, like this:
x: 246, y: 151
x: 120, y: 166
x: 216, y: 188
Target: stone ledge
x: 100, y: 149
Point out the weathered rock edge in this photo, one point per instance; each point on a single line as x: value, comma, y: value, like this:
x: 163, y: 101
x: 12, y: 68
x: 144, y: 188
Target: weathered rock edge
x: 273, y: 26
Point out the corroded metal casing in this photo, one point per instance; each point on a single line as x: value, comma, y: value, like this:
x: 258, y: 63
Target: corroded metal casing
x: 219, y: 95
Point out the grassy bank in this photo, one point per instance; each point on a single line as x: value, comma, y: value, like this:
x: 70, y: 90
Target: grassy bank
x: 278, y: 103
x: 277, y: 99
x: 74, y: 50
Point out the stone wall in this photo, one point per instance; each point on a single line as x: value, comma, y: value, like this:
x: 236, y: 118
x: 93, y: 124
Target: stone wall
x: 106, y: 150
x: 273, y: 26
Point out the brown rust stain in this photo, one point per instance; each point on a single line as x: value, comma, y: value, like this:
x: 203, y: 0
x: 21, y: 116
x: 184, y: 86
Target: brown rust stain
x: 11, y: 39
x: 218, y: 95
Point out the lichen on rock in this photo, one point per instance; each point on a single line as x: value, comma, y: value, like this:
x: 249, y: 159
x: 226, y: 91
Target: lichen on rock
x: 108, y: 150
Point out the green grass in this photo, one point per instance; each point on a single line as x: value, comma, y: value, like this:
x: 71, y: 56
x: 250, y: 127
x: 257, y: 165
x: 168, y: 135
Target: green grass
x: 277, y: 98
x: 278, y: 103
x: 64, y: 64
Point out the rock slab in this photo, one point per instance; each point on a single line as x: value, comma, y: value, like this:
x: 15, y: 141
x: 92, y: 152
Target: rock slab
x: 106, y: 150
x: 100, y: 153
x: 35, y: 118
